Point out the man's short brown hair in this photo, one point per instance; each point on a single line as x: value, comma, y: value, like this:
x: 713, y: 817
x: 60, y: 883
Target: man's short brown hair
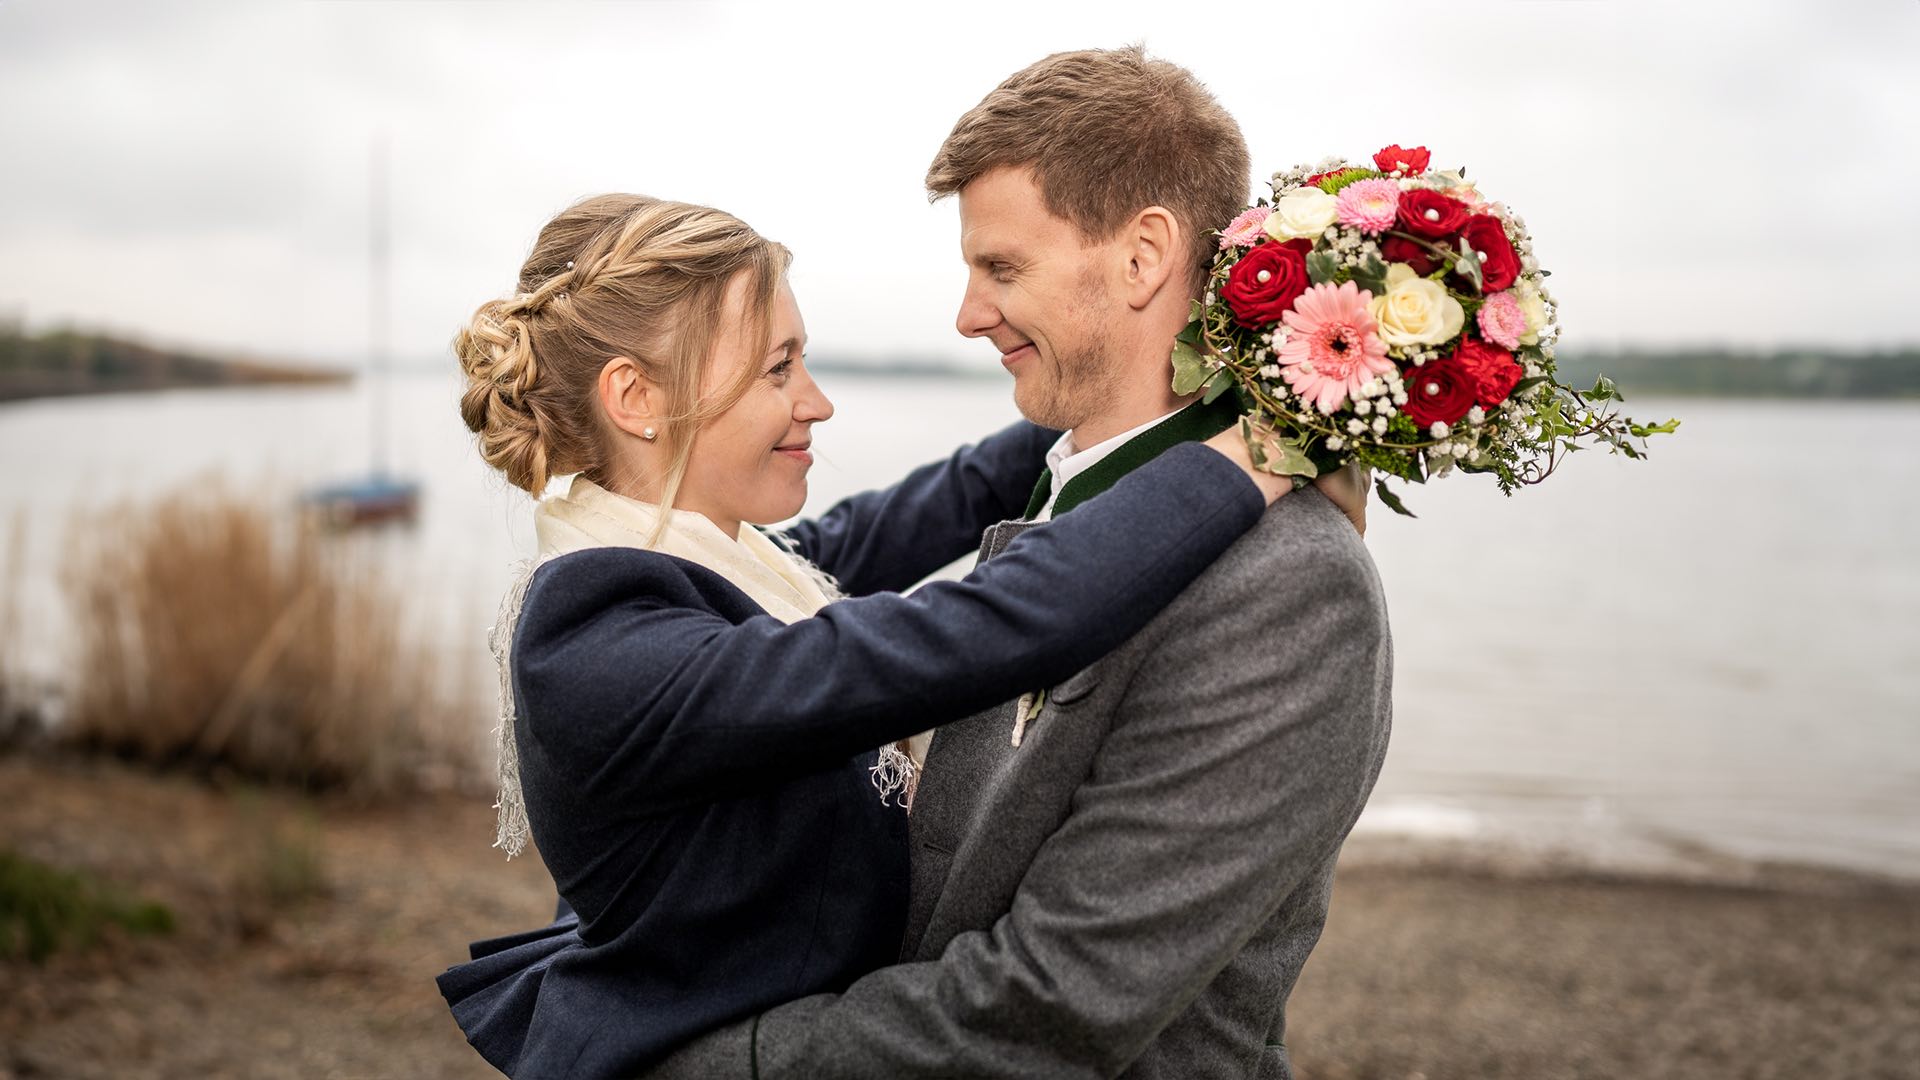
x: 1108, y: 133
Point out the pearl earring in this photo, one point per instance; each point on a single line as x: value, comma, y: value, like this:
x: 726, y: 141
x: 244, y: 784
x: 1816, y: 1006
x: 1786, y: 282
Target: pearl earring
x: 649, y: 434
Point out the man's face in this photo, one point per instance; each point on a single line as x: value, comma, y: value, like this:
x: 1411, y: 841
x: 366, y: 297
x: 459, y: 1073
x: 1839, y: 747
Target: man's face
x: 1040, y: 293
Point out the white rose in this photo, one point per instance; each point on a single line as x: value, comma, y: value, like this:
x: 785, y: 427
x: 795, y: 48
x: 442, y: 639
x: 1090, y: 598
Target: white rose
x: 1534, y: 307
x: 1415, y: 311
x: 1303, y: 213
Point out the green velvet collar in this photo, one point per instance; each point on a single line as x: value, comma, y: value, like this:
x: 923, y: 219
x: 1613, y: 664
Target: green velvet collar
x: 1191, y: 424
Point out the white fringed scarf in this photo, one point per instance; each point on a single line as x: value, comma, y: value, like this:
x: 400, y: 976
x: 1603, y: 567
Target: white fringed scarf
x: 789, y: 587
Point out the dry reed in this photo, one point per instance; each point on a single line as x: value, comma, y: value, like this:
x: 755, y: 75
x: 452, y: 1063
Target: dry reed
x: 214, y: 632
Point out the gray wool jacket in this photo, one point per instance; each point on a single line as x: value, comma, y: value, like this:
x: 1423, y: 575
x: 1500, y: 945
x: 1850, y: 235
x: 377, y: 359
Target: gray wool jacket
x: 1133, y: 890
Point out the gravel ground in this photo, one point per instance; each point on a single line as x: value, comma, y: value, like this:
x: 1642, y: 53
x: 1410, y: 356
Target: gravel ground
x: 1425, y: 971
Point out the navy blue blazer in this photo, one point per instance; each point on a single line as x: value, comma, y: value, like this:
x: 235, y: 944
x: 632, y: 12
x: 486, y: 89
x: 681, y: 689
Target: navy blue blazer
x: 697, y: 772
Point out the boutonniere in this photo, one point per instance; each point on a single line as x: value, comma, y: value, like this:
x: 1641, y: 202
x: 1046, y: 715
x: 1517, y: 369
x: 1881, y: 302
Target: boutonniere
x: 1026, y: 709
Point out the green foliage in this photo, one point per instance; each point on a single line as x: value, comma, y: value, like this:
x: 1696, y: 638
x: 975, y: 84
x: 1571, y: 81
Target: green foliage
x: 1218, y: 385
x: 1467, y: 265
x: 43, y: 910
x: 1332, y: 184
x: 1322, y: 267
x: 1371, y: 275
x: 1398, y: 463
x: 1189, y: 369
x: 1391, y: 500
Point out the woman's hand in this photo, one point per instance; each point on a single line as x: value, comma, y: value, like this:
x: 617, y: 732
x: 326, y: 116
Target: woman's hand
x: 1234, y: 445
x: 1345, y: 488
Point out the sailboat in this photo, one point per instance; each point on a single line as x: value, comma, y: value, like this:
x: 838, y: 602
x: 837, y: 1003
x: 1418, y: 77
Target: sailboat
x: 377, y: 497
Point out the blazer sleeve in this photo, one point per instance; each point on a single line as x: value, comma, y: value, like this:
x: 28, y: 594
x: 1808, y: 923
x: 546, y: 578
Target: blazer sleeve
x: 886, y: 540
x: 623, y: 670
x: 1244, y: 750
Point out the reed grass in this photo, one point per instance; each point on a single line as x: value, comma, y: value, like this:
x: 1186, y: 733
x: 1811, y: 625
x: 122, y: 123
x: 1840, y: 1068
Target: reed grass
x: 18, y: 717
x: 217, y: 632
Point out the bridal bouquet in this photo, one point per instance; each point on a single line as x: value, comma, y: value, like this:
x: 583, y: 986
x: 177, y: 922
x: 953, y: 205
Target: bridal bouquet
x: 1391, y: 315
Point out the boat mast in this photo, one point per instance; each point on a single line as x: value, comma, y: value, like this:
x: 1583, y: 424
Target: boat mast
x: 379, y: 251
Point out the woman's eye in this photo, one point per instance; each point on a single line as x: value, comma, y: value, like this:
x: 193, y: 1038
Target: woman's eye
x: 782, y: 369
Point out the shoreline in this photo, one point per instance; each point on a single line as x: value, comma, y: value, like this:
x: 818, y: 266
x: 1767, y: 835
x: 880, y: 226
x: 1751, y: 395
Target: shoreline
x: 1477, y: 970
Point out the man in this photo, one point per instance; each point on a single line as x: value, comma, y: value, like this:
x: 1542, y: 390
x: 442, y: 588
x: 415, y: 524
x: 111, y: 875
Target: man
x: 1124, y: 873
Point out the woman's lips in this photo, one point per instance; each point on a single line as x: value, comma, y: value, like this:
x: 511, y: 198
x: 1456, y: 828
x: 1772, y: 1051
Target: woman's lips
x: 800, y: 454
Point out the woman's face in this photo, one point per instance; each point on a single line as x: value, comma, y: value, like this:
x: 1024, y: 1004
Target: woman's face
x: 749, y: 464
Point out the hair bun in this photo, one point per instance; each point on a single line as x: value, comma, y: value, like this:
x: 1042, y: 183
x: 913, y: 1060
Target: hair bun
x: 495, y: 349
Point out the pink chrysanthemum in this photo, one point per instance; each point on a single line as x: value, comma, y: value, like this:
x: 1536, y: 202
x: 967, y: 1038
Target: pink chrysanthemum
x: 1501, y: 320
x: 1332, y: 350
x: 1246, y: 230
x: 1368, y: 205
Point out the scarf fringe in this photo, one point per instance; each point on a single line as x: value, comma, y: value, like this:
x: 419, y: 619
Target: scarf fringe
x: 511, y: 828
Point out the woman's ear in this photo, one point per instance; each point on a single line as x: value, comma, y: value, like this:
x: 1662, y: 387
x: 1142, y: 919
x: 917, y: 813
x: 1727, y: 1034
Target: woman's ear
x: 1154, y: 247
x: 630, y: 400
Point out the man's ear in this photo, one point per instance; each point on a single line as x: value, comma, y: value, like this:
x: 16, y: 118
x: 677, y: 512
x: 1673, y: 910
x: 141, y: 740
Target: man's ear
x: 631, y: 401
x: 1155, y: 248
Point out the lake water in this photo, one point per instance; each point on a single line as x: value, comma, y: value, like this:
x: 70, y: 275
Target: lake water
x: 1696, y: 661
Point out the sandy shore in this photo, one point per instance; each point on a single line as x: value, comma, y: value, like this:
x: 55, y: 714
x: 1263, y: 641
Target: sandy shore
x: 1425, y: 970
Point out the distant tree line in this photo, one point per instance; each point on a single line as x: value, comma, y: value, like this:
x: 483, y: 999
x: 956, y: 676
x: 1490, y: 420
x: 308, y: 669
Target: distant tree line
x: 60, y: 362
x: 1795, y: 373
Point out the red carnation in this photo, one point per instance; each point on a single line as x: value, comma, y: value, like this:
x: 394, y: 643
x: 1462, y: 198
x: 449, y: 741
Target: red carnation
x: 1410, y: 162
x: 1499, y: 266
x: 1425, y: 212
x: 1492, y: 369
x: 1439, y: 392
x: 1266, y: 281
x: 1402, y: 250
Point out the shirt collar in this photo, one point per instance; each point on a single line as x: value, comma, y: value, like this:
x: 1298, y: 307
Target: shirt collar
x: 1064, y: 462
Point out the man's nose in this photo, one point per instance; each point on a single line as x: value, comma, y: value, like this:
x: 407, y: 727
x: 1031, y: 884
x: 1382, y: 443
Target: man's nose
x: 977, y: 314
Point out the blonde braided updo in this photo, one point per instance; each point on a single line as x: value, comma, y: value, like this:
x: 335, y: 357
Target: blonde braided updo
x: 611, y: 276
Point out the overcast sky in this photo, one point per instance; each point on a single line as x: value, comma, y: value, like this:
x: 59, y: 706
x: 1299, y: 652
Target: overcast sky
x: 197, y: 173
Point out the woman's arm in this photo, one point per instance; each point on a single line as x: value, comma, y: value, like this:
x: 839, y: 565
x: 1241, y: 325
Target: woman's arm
x: 659, y: 698
x: 886, y: 540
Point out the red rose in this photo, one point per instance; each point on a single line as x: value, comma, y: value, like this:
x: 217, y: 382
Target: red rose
x: 1424, y: 212
x: 1266, y: 281
x: 1410, y: 162
x: 1492, y: 369
x: 1439, y: 392
x: 1499, y: 266
x: 1400, y: 249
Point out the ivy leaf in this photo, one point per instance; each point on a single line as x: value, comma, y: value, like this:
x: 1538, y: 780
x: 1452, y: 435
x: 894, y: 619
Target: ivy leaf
x: 1604, y: 390
x: 1194, y: 311
x: 1372, y: 276
x: 1191, y: 334
x: 1322, y: 267
x: 1217, y: 385
x: 1468, y: 265
x: 1391, y: 500
x: 1189, y: 371
x: 1644, y: 430
x: 1527, y: 384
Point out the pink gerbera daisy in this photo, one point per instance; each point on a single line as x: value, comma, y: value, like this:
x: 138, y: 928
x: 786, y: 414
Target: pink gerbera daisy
x: 1247, y: 229
x: 1368, y: 205
x: 1332, y: 350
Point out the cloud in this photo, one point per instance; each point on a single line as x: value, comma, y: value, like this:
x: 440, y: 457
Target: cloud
x: 199, y: 173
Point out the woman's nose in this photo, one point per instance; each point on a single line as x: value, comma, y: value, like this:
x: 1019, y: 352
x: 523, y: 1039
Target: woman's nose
x: 812, y: 406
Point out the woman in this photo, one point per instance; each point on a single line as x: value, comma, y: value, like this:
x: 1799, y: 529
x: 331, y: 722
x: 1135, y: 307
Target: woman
x: 691, y: 723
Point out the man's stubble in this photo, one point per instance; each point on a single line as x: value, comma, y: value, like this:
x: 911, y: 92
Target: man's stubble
x: 1087, y: 369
